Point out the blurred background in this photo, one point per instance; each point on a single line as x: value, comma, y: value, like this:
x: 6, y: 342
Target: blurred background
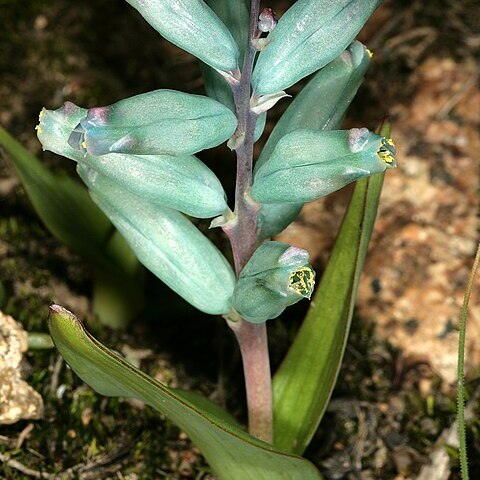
x: 394, y: 402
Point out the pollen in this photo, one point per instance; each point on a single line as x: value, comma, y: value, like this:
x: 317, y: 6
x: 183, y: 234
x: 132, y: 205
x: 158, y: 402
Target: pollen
x: 387, y: 152
x: 302, y: 281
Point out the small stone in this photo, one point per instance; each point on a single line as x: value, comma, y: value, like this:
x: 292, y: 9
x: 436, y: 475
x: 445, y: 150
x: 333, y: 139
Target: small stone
x: 18, y: 401
x: 380, y: 457
x: 86, y: 416
x: 41, y: 22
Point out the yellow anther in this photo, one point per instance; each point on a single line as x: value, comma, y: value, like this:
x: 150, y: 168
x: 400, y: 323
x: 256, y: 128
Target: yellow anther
x: 369, y: 52
x: 387, y: 151
x: 38, y: 128
x: 42, y: 113
x: 84, y: 144
x: 302, y: 281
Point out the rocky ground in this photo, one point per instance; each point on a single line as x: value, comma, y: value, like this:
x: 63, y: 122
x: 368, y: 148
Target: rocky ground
x: 393, y: 406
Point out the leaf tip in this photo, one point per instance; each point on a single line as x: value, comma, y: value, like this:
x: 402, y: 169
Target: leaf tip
x: 58, y: 310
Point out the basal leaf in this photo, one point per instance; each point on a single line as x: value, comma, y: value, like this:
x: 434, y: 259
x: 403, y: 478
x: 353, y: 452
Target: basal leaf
x: 63, y: 205
x: 304, y: 382
x: 232, y: 454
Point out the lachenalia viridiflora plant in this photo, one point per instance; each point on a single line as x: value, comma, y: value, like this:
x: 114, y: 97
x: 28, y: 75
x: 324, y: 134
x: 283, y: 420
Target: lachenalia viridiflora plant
x: 137, y: 158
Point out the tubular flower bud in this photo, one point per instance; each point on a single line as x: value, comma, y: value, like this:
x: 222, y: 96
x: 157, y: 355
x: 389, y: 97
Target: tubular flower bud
x: 168, y: 244
x: 182, y: 183
x: 54, y: 128
x: 267, y: 20
x: 308, y: 36
x: 164, y: 122
x: 193, y: 26
x: 276, y: 276
x: 235, y: 15
x: 307, y: 164
x: 321, y: 105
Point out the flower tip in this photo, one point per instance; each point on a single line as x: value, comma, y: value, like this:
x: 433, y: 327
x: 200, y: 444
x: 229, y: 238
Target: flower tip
x: 293, y: 256
x: 77, y: 139
x: 387, y: 152
x: 267, y: 20
x: 59, y: 311
x: 302, y: 281
x: 357, y: 139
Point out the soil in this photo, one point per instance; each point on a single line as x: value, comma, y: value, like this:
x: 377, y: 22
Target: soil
x: 394, y: 398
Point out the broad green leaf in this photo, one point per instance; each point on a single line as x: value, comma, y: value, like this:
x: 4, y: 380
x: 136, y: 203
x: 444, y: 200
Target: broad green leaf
x: 117, y: 299
x: 63, y: 205
x: 304, y: 382
x: 232, y: 454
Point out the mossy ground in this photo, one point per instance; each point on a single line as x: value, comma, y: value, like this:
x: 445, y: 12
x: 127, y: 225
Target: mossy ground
x: 379, y: 425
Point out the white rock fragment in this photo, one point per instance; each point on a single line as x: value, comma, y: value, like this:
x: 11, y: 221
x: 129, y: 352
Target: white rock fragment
x: 18, y: 400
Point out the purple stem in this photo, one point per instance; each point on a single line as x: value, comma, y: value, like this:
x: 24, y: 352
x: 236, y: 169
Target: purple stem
x: 252, y: 338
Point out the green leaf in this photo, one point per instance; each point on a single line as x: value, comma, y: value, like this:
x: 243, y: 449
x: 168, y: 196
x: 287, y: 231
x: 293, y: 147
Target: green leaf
x: 232, y: 453
x: 117, y: 299
x: 304, y: 382
x: 63, y: 205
